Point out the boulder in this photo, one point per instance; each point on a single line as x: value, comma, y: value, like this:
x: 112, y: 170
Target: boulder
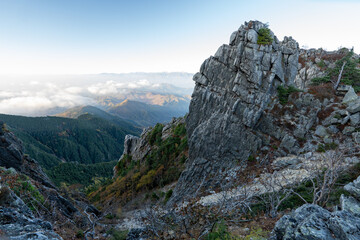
x: 354, y: 106
x: 321, y: 131
x: 314, y: 222
x: 350, y: 96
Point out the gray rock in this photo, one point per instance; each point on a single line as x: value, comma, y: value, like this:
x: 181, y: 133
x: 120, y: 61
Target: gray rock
x: 354, y: 188
x: 321, y: 131
x: 350, y: 205
x: 333, y: 129
x: 288, y: 143
x: 354, y: 106
x: 328, y: 140
x: 350, y: 96
x: 18, y: 222
x: 314, y: 222
x: 348, y: 130
x: 355, y: 119
x: 356, y: 137
x: 284, y: 162
x: 226, y: 113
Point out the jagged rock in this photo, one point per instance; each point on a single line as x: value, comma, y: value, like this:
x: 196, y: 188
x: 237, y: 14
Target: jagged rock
x: 333, y: 129
x: 354, y: 106
x: 314, y: 222
x: 356, y: 137
x: 18, y: 222
x: 283, y: 162
x: 321, y: 131
x: 354, y: 188
x: 233, y: 88
x: 348, y: 130
x: 137, y: 234
x: 343, y: 89
x: 313, y: 62
x: 350, y: 205
x: 12, y: 156
x: 337, y: 117
x: 355, y: 119
x: 350, y: 96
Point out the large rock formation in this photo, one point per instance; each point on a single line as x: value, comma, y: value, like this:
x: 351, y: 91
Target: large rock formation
x: 313, y: 222
x: 233, y: 88
x: 18, y: 222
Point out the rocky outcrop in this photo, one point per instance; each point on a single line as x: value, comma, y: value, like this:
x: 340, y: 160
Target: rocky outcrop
x: 233, y: 88
x: 139, y: 147
x: 313, y: 222
x: 314, y: 62
x: 18, y: 222
x: 12, y: 156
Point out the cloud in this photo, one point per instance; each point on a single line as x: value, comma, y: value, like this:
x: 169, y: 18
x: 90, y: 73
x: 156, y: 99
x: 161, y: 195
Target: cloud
x: 39, y: 101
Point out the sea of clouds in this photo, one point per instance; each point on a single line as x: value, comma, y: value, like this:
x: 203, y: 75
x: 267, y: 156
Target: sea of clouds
x: 46, y: 95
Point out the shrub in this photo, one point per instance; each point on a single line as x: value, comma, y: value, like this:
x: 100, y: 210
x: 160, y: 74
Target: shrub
x: 155, y: 134
x: 257, y: 234
x: 80, y: 234
x: 284, y: 93
x: 117, y: 235
x: 168, y: 195
x: 350, y: 75
x: 264, y: 37
x: 219, y: 232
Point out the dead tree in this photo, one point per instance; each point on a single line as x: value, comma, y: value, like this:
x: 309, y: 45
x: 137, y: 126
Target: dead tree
x: 336, y: 84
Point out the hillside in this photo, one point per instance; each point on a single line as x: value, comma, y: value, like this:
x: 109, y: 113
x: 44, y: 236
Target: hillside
x: 30, y: 206
x: 76, y: 112
x: 54, y: 140
x: 147, y: 165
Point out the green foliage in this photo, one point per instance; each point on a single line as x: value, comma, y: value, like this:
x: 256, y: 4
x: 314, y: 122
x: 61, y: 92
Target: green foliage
x: 251, y: 158
x: 155, y: 134
x: 264, y: 37
x: 80, y: 234
x: 220, y: 232
x: 86, y: 140
x: 321, y: 64
x: 117, y: 234
x: 168, y: 195
x: 22, y: 187
x: 73, y: 173
x: 350, y: 75
x: 257, y: 234
x: 180, y: 130
x: 154, y: 196
x: 327, y: 146
x: 124, y: 165
x: 110, y: 216
x: 161, y: 166
x: 284, y: 93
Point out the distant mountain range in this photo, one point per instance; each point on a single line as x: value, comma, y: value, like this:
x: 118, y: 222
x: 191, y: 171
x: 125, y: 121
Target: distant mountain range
x: 139, y: 107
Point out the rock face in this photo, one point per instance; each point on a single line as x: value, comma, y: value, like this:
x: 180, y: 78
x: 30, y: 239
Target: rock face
x: 18, y: 222
x: 233, y: 88
x: 314, y: 222
x: 12, y: 156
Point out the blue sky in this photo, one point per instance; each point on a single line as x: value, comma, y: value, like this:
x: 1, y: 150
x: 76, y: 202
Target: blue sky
x: 88, y: 36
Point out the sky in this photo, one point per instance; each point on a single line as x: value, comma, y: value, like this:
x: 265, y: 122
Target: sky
x: 118, y: 36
